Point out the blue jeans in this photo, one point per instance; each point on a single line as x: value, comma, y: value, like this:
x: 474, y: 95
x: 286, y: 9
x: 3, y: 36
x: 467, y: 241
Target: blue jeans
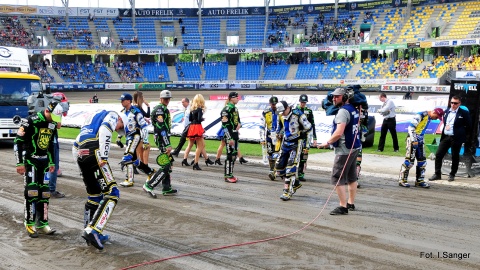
x: 56, y: 158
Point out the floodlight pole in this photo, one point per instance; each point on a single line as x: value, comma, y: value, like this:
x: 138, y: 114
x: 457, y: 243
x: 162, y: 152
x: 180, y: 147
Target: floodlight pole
x: 336, y: 10
x: 200, y: 4
x: 65, y: 4
x: 132, y: 5
x: 267, y: 5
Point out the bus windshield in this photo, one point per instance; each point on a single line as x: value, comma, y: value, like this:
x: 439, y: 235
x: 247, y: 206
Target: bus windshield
x: 16, y: 91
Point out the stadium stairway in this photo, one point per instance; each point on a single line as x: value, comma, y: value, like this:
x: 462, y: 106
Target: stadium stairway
x: 114, y: 74
x: 93, y: 29
x: 158, y: 32
x: 232, y: 72
x: 418, y: 71
x: 113, y: 35
x: 453, y: 21
x: 353, y: 71
x: 292, y: 71
x: 55, y: 75
x: 376, y: 30
x: 172, y: 72
x: 242, y: 39
x: 178, y: 34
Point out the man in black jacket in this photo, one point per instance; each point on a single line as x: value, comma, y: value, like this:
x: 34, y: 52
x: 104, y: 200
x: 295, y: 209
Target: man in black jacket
x: 456, y: 125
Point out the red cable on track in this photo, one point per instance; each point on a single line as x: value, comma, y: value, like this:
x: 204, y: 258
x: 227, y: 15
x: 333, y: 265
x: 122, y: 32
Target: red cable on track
x: 251, y: 242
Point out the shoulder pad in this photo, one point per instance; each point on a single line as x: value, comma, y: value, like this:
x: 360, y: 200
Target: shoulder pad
x: 297, y: 111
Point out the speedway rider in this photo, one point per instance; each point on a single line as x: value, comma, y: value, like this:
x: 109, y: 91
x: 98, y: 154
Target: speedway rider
x: 136, y: 130
x: 296, y: 130
x: 34, y: 153
x: 268, y: 134
x: 92, y: 147
x: 416, y: 147
x: 306, y: 143
x: 162, y: 123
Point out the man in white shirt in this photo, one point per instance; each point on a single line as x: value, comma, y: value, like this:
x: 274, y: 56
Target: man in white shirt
x: 186, y: 123
x: 389, y: 123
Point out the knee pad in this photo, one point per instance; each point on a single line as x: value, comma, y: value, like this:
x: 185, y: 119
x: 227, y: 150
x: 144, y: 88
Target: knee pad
x: 422, y: 164
x: 32, y: 192
x: 114, y: 193
x: 136, y: 162
x: 44, y: 192
x: 407, y: 164
x: 127, y: 159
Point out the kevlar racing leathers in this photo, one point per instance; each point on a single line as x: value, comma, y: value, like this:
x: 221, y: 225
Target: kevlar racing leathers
x: 307, y: 142
x: 162, y: 123
x: 135, y: 130
x: 296, y: 129
x: 93, y: 146
x: 415, y: 148
x: 268, y: 137
x: 230, y: 119
x: 33, y: 148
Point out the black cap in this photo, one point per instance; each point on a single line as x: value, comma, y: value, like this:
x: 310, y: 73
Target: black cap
x: 303, y: 98
x: 233, y: 95
x: 273, y: 100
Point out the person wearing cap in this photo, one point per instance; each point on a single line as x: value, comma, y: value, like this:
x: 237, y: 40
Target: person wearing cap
x: 268, y: 134
x: 162, y: 124
x: 230, y: 120
x: 311, y: 141
x: 389, y: 123
x: 416, y: 147
x: 92, y: 145
x: 135, y: 130
x: 33, y: 147
x: 457, y: 123
x: 346, y: 141
x: 296, y: 129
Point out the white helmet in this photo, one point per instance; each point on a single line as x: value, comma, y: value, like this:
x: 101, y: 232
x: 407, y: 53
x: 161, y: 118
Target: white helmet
x: 166, y: 94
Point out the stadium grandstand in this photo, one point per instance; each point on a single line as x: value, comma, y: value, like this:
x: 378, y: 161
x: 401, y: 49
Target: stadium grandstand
x: 348, y: 40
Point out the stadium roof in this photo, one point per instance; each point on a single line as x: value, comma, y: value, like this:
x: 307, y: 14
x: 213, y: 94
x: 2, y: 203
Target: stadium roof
x: 167, y: 3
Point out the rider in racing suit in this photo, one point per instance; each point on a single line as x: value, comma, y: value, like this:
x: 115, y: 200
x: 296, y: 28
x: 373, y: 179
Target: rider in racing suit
x: 92, y: 146
x: 34, y: 154
x: 268, y: 134
x: 306, y: 143
x: 135, y: 130
x: 230, y: 124
x: 162, y: 123
x: 296, y: 129
x: 416, y: 147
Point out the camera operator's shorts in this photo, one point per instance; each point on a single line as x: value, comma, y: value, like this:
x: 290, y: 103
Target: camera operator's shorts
x: 349, y: 173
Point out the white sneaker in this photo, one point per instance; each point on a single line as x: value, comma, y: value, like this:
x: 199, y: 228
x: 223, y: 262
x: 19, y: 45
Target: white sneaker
x: 126, y: 183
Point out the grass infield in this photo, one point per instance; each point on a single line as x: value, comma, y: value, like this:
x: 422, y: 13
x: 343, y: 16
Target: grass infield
x: 255, y: 150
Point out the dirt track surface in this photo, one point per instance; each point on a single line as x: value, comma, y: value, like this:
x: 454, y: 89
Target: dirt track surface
x: 390, y: 229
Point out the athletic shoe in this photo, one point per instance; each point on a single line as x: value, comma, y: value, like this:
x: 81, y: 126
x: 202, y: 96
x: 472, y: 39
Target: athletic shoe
x: 339, y: 211
x: 149, y: 190
x: 286, y: 195
x: 32, y: 232
x: 231, y: 179
x: 169, y: 191
x: 271, y: 175
x: 103, y: 238
x: 435, y: 177
x: 46, y: 230
x: 422, y: 184
x: 351, y: 207
x: 126, y: 183
x: 301, y: 179
x: 93, y: 238
x: 56, y: 194
x: 404, y: 184
x: 295, y: 187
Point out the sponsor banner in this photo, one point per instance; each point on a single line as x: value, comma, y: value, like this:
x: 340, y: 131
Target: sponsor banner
x: 193, y: 51
x: 180, y: 86
x: 149, y: 86
x: 77, y: 86
x: 14, y: 57
x: 444, y: 43
x: 214, y: 51
x: 120, y: 86
x: 416, y: 88
x: 425, y: 44
x: 303, y: 86
x: 262, y: 50
x: 474, y: 74
x: 73, y: 52
x: 414, y: 81
x: 13, y: 9
x: 56, y: 11
x: 171, y: 51
x: 158, y: 51
x: 30, y: 51
x: 465, y: 86
x: 239, y: 50
x: 192, y: 12
x: 465, y: 42
x: 376, y: 4
x: 223, y: 97
x: 325, y: 8
x: 367, y: 47
x: 242, y: 86
x: 212, y: 86
x: 98, y: 12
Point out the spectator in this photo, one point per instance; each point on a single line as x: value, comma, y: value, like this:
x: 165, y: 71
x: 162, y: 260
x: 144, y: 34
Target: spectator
x: 175, y: 41
x: 161, y: 77
x: 183, y: 30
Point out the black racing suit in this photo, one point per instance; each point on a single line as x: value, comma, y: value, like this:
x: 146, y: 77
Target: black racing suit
x: 162, y: 123
x: 230, y: 122
x: 306, y: 143
x: 34, y: 150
